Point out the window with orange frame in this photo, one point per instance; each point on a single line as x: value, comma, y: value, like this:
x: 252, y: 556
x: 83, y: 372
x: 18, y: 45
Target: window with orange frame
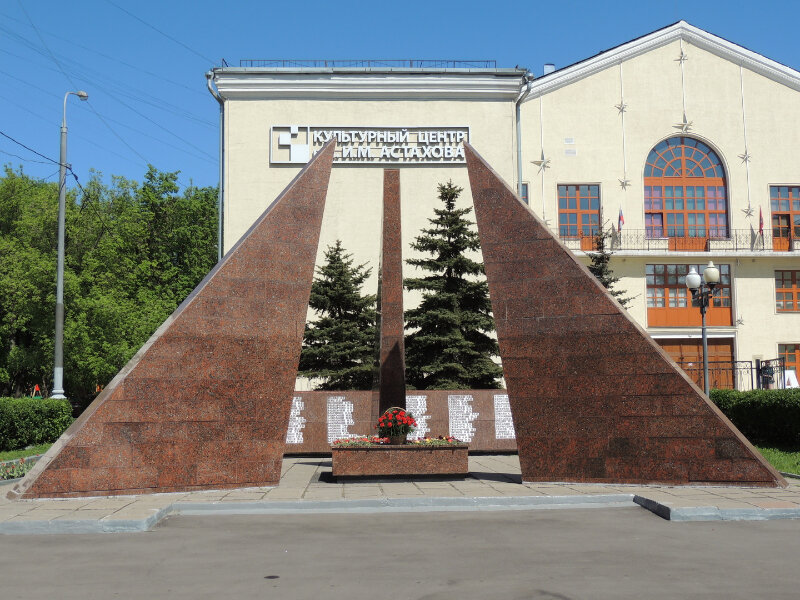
x: 787, y: 291
x: 791, y: 354
x: 669, y: 301
x: 579, y: 213
x: 685, y: 194
x: 784, y: 203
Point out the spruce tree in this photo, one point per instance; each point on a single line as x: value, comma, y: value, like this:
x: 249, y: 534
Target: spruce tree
x: 449, y: 346
x: 599, y: 266
x: 339, y: 346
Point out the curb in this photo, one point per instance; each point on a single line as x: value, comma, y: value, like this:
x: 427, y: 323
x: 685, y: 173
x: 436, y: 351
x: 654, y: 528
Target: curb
x: 389, y: 505
x: 85, y: 526
x: 432, y: 504
x: 712, y: 513
x: 396, y: 505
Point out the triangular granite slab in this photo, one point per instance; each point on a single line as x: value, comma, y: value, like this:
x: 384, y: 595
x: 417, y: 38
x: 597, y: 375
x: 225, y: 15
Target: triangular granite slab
x: 593, y: 397
x: 205, y: 402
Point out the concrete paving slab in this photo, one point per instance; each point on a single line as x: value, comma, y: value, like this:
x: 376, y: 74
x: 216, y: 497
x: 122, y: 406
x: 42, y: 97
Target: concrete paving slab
x: 82, y: 515
x: 322, y: 495
x: 775, y: 504
x: 596, y: 490
x: 40, y: 515
x: 69, y: 504
x: 244, y: 496
x: 361, y: 495
x: 207, y: 498
x: 289, y: 494
x: 444, y: 492
x: 110, y: 503
x: 553, y: 490
x: 5, y: 515
x: 493, y: 485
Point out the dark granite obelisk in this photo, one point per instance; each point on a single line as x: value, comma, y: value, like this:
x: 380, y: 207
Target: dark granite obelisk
x: 390, y: 388
x: 593, y: 397
x: 205, y: 402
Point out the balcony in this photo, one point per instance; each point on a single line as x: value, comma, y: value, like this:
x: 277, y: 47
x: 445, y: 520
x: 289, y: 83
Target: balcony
x: 692, y: 239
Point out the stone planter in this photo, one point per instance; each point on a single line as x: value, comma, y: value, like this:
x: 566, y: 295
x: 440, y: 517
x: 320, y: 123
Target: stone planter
x: 406, y: 460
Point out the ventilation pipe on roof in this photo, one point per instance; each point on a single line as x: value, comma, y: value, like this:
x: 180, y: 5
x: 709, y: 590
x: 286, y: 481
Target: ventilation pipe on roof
x: 221, y: 190
x: 548, y: 68
x: 525, y: 89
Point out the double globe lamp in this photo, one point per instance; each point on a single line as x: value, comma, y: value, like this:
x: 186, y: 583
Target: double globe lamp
x: 702, y: 289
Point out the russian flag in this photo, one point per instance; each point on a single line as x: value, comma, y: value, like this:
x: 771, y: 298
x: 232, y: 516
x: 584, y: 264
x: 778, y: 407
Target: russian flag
x: 621, y: 220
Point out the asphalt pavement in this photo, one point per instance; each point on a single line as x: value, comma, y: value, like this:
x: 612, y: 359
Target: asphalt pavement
x: 614, y: 553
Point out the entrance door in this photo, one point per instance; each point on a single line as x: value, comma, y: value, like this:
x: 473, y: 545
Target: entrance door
x: 689, y: 356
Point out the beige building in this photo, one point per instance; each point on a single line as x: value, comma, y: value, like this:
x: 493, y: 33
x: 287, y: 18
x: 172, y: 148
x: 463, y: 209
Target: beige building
x: 680, y: 142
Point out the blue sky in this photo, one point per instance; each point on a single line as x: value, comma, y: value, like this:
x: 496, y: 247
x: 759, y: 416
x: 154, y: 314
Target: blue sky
x: 143, y: 63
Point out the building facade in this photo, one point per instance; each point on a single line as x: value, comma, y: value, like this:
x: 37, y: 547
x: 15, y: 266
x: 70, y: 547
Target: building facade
x: 679, y: 142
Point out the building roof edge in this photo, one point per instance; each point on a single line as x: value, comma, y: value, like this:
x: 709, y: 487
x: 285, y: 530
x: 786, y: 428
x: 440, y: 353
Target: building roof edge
x: 681, y: 30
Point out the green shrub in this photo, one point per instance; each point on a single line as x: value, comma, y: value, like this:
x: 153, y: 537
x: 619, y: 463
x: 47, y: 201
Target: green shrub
x: 769, y: 417
x: 28, y: 421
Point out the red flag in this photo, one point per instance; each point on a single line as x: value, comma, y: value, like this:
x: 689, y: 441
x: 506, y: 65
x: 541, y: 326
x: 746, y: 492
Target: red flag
x: 760, y: 222
x: 621, y: 220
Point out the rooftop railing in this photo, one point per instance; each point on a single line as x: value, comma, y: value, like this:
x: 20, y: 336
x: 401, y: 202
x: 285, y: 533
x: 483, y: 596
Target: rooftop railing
x: 371, y: 63
x: 692, y: 239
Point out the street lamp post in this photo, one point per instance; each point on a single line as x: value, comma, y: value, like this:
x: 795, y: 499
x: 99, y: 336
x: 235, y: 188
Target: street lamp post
x: 58, y: 370
x: 703, y: 291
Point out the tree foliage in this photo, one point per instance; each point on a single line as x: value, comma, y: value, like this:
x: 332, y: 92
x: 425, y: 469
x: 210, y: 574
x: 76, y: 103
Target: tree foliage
x: 133, y: 253
x: 339, y: 347
x: 449, y: 346
x: 601, y: 269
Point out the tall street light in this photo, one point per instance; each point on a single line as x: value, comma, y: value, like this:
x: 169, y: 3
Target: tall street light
x: 58, y: 370
x: 702, y: 292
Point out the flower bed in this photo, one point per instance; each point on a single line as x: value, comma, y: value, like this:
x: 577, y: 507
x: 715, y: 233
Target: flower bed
x: 364, y: 457
x: 364, y: 441
x: 15, y: 469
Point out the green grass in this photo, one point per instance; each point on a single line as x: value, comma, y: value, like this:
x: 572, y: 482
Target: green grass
x: 784, y: 460
x: 32, y: 451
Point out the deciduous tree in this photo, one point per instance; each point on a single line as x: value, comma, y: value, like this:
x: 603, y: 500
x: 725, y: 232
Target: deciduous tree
x: 133, y: 253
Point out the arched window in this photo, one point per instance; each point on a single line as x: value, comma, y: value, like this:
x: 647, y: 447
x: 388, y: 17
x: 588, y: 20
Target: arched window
x: 685, y: 193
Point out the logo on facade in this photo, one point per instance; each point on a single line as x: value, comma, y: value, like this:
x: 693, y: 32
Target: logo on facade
x: 294, y: 140
x: 296, y: 144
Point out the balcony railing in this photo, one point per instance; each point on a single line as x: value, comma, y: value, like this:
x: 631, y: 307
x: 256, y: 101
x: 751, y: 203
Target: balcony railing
x: 371, y: 63
x: 739, y: 375
x: 693, y: 239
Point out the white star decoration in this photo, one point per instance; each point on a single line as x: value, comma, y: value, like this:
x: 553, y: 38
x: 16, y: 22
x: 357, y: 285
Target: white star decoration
x: 624, y: 183
x: 682, y: 58
x: 621, y: 107
x: 684, y: 126
x: 746, y: 157
x: 748, y: 212
x: 543, y: 163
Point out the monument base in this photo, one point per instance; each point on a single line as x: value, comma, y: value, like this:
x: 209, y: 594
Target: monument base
x: 406, y: 460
